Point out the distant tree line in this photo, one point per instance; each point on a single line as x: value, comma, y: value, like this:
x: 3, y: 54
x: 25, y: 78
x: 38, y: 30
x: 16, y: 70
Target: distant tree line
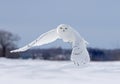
x: 64, y: 54
x: 8, y: 42
x: 104, y: 54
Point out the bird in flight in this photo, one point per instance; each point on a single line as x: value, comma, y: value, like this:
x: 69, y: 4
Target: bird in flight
x: 65, y: 32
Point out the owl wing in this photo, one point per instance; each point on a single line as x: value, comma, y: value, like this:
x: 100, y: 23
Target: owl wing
x: 45, y: 38
x: 80, y: 54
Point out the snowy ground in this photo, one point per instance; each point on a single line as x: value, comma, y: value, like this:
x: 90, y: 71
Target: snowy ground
x: 53, y: 72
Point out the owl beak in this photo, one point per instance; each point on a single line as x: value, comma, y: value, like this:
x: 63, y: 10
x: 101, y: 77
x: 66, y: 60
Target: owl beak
x: 63, y: 30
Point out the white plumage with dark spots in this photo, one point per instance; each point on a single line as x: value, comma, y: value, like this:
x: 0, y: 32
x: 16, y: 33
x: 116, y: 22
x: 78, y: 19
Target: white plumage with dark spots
x: 65, y: 32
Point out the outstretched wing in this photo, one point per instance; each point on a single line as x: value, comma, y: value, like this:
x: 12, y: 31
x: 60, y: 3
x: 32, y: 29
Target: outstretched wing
x: 80, y: 54
x: 45, y: 38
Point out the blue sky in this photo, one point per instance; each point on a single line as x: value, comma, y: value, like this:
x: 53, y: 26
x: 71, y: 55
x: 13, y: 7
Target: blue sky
x: 98, y: 21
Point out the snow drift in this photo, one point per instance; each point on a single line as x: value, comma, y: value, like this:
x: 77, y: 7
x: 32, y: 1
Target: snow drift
x: 57, y: 72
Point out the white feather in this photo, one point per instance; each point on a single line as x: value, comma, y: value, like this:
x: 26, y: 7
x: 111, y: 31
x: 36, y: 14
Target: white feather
x: 45, y: 38
x: 79, y: 54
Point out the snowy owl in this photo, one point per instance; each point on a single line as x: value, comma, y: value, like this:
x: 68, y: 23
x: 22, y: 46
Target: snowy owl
x: 65, y: 32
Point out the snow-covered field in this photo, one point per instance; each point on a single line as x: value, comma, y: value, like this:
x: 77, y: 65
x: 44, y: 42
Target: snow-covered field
x: 57, y: 72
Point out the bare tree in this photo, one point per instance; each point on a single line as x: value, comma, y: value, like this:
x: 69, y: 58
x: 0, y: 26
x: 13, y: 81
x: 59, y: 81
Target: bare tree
x: 7, y: 41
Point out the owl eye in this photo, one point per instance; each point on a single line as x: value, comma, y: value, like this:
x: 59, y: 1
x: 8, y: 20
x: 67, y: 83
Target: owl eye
x: 61, y: 28
x: 66, y: 28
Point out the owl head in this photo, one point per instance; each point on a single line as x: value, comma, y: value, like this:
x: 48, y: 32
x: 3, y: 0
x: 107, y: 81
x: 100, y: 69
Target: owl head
x: 63, y: 28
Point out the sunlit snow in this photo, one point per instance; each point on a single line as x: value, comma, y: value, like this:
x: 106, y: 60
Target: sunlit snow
x: 57, y: 72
